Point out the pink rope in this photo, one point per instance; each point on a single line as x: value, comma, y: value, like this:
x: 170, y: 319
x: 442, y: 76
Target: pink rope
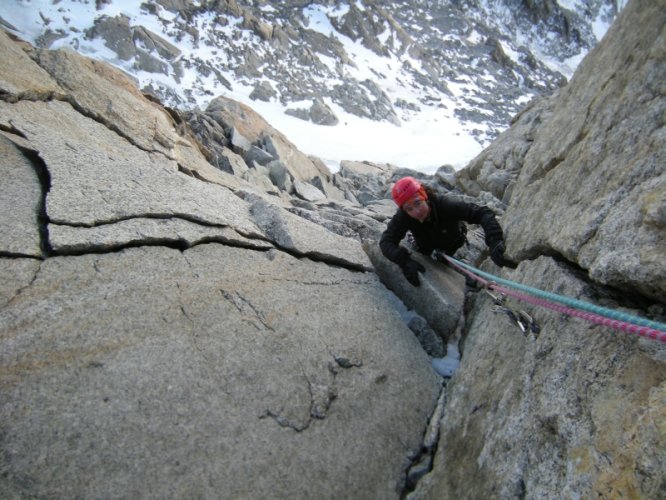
x: 643, y: 331
x: 623, y: 326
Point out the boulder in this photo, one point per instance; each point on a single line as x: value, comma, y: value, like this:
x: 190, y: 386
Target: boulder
x: 300, y: 166
x: 239, y: 142
x: 156, y: 43
x: 446, y: 175
x: 231, y: 162
x: 327, y: 187
x: 259, y: 177
x: 116, y: 33
x: 278, y: 173
x: 322, y: 114
x: 382, y: 209
x: 258, y: 132
x: 363, y: 182
x: 350, y: 169
x: 295, y: 234
x: 149, y: 63
x: 359, y: 225
x: 153, y: 371
x: 307, y: 191
x: 208, y: 132
x: 499, y: 164
x: 300, y: 113
x: 258, y: 155
x: 263, y: 91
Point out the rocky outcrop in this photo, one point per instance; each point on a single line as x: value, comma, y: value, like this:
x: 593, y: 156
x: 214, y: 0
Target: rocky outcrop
x: 254, y: 139
x: 137, y: 43
x: 162, y: 318
x: 602, y: 168
x: 190, y: 305
x: 573, y: 411
x: 496, y: 168
x: 319, y: 113
x: 576, y: 410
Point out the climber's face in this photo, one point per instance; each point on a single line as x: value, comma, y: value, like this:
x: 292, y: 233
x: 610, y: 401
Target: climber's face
x: 417, y: 207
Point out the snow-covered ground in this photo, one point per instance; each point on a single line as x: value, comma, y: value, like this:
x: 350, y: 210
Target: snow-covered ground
x: 425, y: 140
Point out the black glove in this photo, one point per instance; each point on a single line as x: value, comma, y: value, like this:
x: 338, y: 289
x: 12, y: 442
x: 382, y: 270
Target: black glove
x: 411, y: 270
x: 497, y: 254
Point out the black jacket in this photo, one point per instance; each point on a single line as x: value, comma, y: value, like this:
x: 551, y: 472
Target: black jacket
x: 442, y: 230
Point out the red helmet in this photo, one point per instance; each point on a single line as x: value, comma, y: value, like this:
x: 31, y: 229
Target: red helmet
x: 405, y: 188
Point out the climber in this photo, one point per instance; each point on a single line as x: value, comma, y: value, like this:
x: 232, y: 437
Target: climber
x: 436, y: 224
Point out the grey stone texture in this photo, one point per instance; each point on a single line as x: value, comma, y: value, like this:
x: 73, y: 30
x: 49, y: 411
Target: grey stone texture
x: 593, y: 184
x: 257, y: 132
x: 217, y: 371
x: 66, y: 239
x: 578, y: 410
x: 20, y: 203
x: 295, y: 234
x: 575, y: 411
x: 439, y: 298
x: 178, y: 332
x: 171, y: 330
x: 22, y: 78
x: 17, y: 273
x: 307, y: 191
x: 97, y: 177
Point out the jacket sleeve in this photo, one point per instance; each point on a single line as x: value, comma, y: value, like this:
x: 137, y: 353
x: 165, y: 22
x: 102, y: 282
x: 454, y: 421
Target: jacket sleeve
x: 491, y: 227
x: 389, y: 243
x: 476, y: 214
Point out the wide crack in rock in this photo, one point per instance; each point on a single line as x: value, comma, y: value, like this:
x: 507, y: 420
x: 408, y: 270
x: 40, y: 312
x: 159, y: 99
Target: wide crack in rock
x: 162, y: 230
x: 146, y: 230
x: 422, y: 463
x: 26, y: 183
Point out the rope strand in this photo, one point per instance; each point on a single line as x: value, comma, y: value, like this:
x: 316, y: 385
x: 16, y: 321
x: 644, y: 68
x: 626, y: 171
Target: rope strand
x: 617, y: 320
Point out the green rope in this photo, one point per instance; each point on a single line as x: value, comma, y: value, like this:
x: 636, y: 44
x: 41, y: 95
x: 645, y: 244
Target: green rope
x: 579, y: 304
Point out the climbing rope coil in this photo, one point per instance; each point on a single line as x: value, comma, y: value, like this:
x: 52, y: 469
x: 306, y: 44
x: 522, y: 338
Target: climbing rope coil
x: 625, y: 322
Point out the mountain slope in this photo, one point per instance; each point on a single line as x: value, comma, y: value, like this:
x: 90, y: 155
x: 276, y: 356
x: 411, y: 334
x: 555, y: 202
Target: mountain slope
x: 454, y: 72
